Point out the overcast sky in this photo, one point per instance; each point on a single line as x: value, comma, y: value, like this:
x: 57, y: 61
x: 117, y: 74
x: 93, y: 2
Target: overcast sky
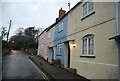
x: 25, y: 14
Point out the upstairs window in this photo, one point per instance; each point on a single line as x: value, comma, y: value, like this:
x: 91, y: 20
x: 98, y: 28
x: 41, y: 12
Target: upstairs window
x: 88, y: 8
x: 84, y: 9
x: 60, y: 27
x: 88, y: 45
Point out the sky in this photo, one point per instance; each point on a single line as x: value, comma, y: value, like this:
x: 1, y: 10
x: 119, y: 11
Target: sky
x: 40, y: 14
x: 29, y: 13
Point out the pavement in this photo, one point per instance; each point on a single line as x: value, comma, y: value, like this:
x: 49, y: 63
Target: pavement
x: 55, y: 73
x: 18, y: 66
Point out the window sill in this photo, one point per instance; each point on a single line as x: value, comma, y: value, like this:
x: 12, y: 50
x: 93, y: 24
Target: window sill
x: 88, y: 15
x: 60, y: 31
x: 58, y: 55
x: 88, y: 56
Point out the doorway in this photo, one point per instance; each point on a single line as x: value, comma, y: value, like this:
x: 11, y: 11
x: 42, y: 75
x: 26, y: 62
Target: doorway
x: 67, y: 55
x: 51, y: 54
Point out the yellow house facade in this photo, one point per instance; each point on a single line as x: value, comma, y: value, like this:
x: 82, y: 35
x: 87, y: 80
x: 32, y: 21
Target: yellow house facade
x: 90, y: 25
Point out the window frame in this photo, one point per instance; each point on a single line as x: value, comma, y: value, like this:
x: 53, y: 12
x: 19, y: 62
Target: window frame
x: 92, y: 48
x: 87, y: 12
x: 60, y: 27
x: 59, y: 49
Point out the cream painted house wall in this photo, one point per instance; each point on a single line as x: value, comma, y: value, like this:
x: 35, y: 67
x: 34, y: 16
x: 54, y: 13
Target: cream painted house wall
x: 51, y: 38
x: 102, y: 25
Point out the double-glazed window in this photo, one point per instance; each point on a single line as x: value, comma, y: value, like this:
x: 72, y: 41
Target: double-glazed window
x: 59, y: 47
x: 88, y: 45
x: 60, y: 27
x: 88, y: 8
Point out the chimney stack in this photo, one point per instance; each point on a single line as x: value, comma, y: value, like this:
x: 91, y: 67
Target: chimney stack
x: 61, y: 14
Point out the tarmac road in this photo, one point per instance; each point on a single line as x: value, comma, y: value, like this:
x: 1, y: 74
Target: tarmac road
x: 19, y: 66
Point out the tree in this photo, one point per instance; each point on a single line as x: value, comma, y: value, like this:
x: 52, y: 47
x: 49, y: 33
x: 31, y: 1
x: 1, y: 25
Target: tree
x: 20, y: 31
x: 22, y: 41
x: 19, y: 42
x: 5, y: 47
x: 31, y: 32
x: 5, y: 44
x: 3, y: 32
x: 25, y: 39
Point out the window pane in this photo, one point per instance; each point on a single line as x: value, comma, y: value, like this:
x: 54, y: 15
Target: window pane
x: 60, y: 26
x: 91, y: 46
x: 90, y: 7
x: 85, y: 10
x: 88, y: 45
x: 84, y: 49
x: 59, y: 49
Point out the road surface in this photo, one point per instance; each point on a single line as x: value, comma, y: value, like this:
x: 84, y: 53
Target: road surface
x: 19, y: 66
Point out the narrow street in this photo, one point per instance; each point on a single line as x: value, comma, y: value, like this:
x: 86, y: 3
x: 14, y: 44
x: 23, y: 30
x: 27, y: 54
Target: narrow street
x: 19, y: 66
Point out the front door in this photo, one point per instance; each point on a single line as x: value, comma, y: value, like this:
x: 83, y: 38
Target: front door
x: 67, y: 55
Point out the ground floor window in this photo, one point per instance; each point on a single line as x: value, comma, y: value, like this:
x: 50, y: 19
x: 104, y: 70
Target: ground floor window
x: 59, y: 49
x: 88, y: 45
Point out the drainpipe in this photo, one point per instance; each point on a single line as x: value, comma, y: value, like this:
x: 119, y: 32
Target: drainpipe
x: 118, y: 45
x: 117, y: 3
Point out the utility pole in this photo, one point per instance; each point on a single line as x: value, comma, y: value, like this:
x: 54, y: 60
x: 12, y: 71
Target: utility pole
x: 9, y: 29
x: 69, y: 5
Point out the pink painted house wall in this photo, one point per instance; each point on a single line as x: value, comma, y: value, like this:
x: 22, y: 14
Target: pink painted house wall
x: 42, y: 47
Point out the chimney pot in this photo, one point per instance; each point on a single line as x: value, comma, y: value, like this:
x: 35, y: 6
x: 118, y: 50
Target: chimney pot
x: 61, y: 14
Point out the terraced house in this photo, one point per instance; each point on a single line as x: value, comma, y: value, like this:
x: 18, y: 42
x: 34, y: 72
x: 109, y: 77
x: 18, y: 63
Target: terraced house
x: 80, y: 39
x: 42, y: 47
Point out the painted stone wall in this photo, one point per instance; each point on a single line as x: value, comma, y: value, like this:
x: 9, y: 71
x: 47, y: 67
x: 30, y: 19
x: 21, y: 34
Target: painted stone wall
x: 60, y: 37
x: 103, y: 26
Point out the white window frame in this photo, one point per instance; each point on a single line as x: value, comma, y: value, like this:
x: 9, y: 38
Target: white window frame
x: 60, y: 27
x: 88, y: 46
x: 59, y: 46
x: 88, y: 7
x: 84, y: 46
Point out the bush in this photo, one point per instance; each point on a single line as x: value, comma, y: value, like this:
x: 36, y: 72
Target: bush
x: 5, y: 48
x: 5, y: 52
x: 5, y: 45
x: 72, y: 70
x: 58, y: 61
x: 53, y: 61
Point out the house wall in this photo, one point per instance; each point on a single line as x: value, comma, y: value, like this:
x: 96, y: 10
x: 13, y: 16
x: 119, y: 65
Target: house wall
x: 50, y: 40
x: 42, y: 47
x: 102, y: 25
x: 50, y: 45
x: 60, y: 37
